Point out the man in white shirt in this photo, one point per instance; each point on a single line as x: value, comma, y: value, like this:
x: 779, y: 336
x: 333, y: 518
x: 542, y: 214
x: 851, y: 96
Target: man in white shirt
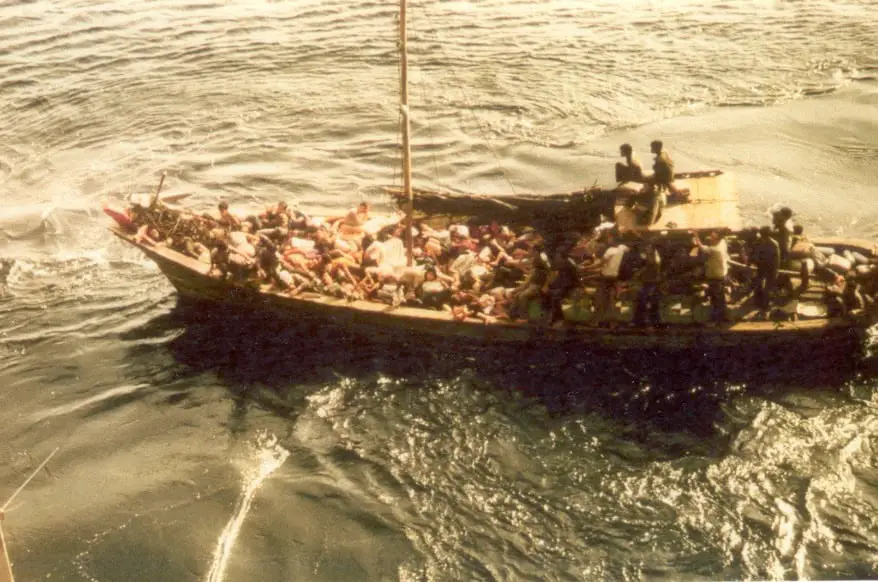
x: 611, y: 263
x: 716, y: 268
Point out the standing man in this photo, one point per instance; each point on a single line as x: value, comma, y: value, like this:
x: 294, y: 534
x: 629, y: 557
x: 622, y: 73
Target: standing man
x: 630, y: 171
x: 533, y: 286
x: 716, y: 269
x: 647, y: 310
x: 663, y: 167
x: 663, y: 176
x: 565, y: 280
x: 766, y: 257
x: 782, y: 221
x: 608, y: 287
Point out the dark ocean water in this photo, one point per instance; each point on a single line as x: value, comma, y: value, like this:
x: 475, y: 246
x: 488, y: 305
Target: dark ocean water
x: 238, y: 450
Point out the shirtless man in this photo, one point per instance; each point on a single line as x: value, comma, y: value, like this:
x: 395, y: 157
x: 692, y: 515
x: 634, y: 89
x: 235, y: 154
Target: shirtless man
x: 630, y: 171
x: 661, y: 183
x: 275, y: 217
x: 226, y: 218
x: 352, y: 222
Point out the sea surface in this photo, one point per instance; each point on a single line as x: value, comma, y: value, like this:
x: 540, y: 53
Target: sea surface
x: 235, y: 450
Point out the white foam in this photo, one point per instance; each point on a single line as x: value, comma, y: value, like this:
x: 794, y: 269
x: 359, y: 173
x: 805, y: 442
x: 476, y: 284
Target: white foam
x: 269, y: 456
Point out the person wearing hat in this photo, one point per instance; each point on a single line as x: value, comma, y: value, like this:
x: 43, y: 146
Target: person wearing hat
x: 630, y: 171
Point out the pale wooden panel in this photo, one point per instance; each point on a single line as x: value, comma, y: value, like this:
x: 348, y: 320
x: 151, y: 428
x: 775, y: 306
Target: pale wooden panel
x: 713, y: 203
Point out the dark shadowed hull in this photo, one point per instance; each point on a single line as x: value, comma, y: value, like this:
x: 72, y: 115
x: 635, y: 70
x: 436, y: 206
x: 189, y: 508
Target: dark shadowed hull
x: 712, y: 195
x: 821, y: 341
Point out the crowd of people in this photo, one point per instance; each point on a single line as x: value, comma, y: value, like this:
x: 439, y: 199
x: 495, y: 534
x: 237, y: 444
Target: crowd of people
x: 491, y: 271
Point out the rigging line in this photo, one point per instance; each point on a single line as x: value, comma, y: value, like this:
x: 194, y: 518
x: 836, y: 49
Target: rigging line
x: 466, y: 99
x: 28, y: 480
x: 5, y: 563
x: 397, y: 168
x: 426, y: 121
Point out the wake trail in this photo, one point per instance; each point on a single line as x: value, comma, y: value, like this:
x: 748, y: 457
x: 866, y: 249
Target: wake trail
x: 270, y: 456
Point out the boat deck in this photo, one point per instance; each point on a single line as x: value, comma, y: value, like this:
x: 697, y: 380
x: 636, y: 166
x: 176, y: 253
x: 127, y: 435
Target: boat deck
x: 712, y: 203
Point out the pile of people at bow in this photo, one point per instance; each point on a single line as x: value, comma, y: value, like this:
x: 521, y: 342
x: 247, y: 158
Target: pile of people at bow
x: 491, y: 271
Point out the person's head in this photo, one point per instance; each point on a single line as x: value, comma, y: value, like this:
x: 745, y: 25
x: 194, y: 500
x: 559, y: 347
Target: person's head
x: 223, y: 206
x: 281, y: 207
x: 715, y: 236
x: 656, y: 147
x: 608, y: 235
x: 323, y: 236
x: 430, y: 274
x: 625, y: 149
x: 363, y: 207
x: 798, y: 229
x: 782, y: 214
x: 765, y: 232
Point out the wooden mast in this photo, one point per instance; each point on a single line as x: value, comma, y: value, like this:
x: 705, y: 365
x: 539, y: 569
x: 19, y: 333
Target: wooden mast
x: 406, y: 130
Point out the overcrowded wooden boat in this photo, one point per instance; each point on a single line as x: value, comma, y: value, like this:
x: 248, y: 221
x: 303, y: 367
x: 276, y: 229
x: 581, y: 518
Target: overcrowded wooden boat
x: 801, y: 316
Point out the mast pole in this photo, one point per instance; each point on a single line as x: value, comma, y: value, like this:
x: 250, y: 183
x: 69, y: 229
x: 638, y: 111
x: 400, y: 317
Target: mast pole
x: 406, y: 131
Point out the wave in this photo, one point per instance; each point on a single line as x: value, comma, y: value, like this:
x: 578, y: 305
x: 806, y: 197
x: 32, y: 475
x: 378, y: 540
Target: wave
x: 35, y: 222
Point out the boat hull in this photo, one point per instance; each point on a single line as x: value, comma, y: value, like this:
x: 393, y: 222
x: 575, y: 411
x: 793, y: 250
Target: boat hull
x: 833, y: 337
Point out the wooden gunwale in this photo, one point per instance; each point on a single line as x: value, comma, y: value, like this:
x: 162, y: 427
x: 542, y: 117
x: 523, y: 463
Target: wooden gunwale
x: 191, y: 280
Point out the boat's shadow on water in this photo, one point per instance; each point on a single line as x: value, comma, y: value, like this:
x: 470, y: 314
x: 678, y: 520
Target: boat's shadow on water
x: 276, y: 364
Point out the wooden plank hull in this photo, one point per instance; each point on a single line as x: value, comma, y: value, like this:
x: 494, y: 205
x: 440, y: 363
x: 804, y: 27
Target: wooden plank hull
x: 372, y: 319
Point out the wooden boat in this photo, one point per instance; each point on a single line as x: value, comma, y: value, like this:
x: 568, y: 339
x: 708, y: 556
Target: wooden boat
x: 712, y: 203
x: 194, y: 285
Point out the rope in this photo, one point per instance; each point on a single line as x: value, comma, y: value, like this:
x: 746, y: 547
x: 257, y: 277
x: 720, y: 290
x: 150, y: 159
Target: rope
x: 435, y: 31
x: 32, y: 475
x: 430, y: 131
x: 397, y: 169
x: 5, y: 563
